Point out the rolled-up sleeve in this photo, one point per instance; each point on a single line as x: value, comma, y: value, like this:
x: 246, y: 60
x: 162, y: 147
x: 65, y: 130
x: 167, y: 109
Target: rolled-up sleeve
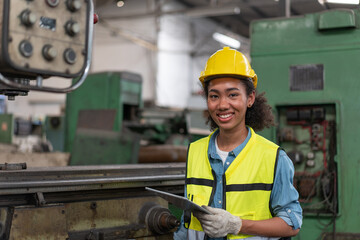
x: 284, y: 197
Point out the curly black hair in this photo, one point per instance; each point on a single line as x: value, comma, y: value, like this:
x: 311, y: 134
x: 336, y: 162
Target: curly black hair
x: 258, y: 116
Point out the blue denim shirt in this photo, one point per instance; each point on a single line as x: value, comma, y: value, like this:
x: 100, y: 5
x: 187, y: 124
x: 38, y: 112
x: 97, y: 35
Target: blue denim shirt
x: 283, y: 199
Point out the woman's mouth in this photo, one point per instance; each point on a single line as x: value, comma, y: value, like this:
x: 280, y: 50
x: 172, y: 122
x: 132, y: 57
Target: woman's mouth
x: 225, y: 116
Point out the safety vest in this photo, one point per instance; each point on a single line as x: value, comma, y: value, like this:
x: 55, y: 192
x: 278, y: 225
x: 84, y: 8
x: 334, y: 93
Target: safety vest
x: 247, y: 183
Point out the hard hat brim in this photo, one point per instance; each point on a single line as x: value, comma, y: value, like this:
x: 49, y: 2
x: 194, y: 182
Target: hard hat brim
x: 204, y: 79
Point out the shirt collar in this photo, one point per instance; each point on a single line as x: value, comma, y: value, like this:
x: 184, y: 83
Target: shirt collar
x: 212, y: 149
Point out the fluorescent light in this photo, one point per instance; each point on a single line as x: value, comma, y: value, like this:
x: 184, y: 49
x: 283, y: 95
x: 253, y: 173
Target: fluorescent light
x: 226, y: 40
x: 212, y: 11
x: 354, y: 2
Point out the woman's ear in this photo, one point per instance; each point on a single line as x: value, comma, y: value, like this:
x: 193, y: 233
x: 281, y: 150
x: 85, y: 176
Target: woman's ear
x: 251, y: 99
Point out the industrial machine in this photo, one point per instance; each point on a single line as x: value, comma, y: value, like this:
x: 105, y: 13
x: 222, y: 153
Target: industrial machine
x: 107, y: 124
x: 95, y: 115
x: 7, y: 128
x: 308, y: 68
x: 54, y: 128
x: 45, y: 38
x: 77, y: 203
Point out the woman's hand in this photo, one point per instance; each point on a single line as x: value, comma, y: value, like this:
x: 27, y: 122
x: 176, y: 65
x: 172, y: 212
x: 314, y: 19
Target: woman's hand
x: 220, y: 223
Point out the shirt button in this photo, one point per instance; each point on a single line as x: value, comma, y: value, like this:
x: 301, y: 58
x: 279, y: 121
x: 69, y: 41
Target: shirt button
x: 220, y: 202
x: 220, y: 181
x: 227, y: 163
x: 289, y: 211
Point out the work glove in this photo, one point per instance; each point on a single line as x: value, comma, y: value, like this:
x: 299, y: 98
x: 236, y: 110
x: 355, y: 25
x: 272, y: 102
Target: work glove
x: 220, y: 223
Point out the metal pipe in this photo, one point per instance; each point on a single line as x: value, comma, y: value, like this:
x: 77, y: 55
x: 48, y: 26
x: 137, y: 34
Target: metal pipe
x: 284, y: 8
x: 77, y: 182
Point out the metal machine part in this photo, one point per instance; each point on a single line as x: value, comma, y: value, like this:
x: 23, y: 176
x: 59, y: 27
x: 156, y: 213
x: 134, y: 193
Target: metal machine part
x: 42, y: 40
x: 162, y: 153
x: 157, y: 218
x: 99, y: 202
x: 306, y: 132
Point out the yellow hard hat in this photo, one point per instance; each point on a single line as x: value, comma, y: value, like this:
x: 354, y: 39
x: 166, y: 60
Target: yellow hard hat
x: 227, y: 62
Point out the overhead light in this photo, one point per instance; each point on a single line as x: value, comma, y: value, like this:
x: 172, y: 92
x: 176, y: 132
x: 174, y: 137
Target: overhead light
x: 212, y: 11
x: 353, y: 2
x: 120, y: 3
x: 226, y: 40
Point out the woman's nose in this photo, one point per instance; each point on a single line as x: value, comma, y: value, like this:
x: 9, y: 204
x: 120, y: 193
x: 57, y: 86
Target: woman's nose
x: 223, y: 104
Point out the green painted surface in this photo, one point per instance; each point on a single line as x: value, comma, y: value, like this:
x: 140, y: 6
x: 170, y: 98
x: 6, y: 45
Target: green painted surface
x: 6, y: 128
x: 98, y: 147
x: 55, y: 132
x: 337, y: 19
x: 102, y: 91
x: 279, y: 44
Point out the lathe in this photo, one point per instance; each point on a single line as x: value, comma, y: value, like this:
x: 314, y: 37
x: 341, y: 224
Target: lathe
x: 91, y: 202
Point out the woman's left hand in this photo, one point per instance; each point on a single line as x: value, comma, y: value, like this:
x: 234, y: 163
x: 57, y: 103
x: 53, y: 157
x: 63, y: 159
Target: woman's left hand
x: 220, y: 223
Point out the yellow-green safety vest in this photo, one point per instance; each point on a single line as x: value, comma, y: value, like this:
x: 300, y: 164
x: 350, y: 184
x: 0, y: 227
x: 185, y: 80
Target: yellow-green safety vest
x: 247, y: 183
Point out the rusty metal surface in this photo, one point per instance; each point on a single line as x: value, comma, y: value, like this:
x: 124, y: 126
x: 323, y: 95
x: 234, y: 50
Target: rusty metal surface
x: 12, y: 166
x: 109, y: 214
x: 92, y: 202
x: 106, y: 219
x: 306, y: 187
x: 162, y: 154
x: 39, y: 223
x: 4, y: 219
x: 101, y: 119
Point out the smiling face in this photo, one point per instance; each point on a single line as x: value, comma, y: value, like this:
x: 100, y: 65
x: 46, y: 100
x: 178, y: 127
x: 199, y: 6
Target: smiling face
x: 227, y: 103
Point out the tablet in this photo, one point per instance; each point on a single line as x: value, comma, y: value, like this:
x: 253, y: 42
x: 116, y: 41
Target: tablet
x: 179, y: 201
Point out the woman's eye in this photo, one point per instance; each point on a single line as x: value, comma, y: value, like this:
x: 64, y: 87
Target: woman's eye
x: 233, y: 95
x: 213, y: 96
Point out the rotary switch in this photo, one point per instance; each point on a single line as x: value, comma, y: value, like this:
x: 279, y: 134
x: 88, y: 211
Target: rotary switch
x: 73, y: 5
x: 27, y: 18
x: 52, y: 3
x: 49, y: 52
x: 72, y: 28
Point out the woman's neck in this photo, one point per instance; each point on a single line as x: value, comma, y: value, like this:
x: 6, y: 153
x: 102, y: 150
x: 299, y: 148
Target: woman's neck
x: 228, y: 141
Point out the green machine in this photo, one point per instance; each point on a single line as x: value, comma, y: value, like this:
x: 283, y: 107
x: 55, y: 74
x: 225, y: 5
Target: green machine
x: 308, y: 67
x: 55, y: 131
x: 95, y: 117
x: 7, y: 128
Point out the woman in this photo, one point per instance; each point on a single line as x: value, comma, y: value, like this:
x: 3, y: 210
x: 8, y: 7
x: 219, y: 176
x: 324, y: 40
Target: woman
x: 244, y: 180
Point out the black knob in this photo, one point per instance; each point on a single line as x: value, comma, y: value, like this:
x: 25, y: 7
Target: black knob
x: 26, y: 48
x: 70, y: 56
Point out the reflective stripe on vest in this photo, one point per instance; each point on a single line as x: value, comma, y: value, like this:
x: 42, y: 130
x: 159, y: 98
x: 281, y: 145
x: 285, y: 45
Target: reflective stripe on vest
x: 247, y: 184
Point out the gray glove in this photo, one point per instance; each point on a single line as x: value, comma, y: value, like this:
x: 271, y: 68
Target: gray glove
x: 220, y: 223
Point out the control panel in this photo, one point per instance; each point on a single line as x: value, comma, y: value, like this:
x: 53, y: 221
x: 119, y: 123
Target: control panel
x: 44, y: 37
x: 308, y: 135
